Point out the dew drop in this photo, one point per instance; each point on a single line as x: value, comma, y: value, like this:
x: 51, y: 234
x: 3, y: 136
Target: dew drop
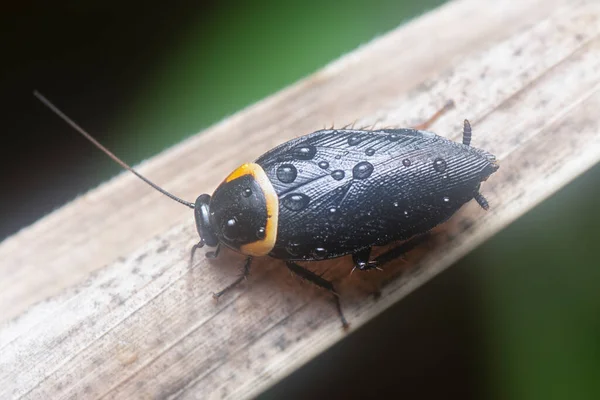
x: 394, y: 137
x: 369, y: 151
x: 362, y: 170
x: 333, y: 214
x: 323, y: 164
x: 304, y: 151
x: 261, y: 232
x: 339, y: 156
x: 338, y: 174
x: 230, y: 230
x: 406, y: 162
x: 396, y: 204
x: 287, y: 173
x: 406, y: 214
x: 354, y: 140
x: 319, y: 253
x: 247, y: 192
x: 295, y: 201
x: 439, y: 165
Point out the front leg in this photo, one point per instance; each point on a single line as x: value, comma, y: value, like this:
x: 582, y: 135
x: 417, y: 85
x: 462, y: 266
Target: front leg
x: 210, y: 255
x: 213, y: 254
x: 322, y: 283
x: 197, y: 246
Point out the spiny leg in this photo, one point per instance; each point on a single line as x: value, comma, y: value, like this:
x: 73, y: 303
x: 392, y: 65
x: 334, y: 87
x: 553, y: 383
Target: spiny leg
x: 482, y: 201
x: 361, y: 260
x: 400, y: 250
x: 321, y: 282
x: 245, y: 273
x: 467, y: 131
x: 448, y: 106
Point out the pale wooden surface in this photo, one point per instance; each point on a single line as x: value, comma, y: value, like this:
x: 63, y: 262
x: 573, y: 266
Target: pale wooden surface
x: 97, y: 301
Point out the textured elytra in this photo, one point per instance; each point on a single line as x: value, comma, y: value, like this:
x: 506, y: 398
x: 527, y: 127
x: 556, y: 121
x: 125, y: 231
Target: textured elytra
x: 355, y: 188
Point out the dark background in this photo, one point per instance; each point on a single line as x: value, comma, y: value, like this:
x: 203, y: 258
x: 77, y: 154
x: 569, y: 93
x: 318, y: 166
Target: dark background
x: 518, y: 318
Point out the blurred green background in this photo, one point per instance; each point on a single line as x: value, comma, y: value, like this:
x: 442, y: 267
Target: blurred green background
x: 218, y: 66
x: 519, y: 318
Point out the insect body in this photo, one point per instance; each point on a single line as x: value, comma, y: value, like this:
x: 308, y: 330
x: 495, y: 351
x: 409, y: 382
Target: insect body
x: 336, y: 192
x: 339, y: 192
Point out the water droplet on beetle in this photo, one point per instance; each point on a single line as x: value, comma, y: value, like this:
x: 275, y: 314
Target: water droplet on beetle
x: 230, y: 230
x: 247, y: 192
x: 338, y: 174
x: 319, y: 253
x: 334, y: 214
x: 446, y: 199
x: 287, y: 173
x: 439, y: 165
x: 369, y: 151
x: 304, y: 151
x: 396, y: 204
x: 406, y: 162
x: 354, y: 140
x: 261, y: 232
x: 295, y: 201
x: 323, y: 164
x: 406, y: 214
x: 393, y: 137
x: 362, y: 170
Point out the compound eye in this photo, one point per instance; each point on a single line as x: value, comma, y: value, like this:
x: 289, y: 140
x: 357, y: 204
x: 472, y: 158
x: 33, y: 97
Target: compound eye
x: 231, y: 229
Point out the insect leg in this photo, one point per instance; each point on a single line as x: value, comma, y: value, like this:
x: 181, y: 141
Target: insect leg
x: 400, y: 250
x: 361, y: 260
x: 321, y: 282
x: 214, y: 254
x: 245, y: 273
x: 482, y: 201
x: 448, y: 106
x: 197, y: 246
x: 467, y: 133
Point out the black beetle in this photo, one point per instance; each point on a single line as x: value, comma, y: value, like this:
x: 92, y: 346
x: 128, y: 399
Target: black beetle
x: 335, y: 192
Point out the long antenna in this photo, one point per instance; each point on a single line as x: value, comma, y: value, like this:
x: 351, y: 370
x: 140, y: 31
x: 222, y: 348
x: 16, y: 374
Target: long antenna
x: 89, y: 137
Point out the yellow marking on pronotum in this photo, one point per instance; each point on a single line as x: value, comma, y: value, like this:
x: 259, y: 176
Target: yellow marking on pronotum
x: 264, y: 246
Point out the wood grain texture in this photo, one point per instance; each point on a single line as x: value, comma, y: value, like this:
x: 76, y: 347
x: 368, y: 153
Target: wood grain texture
x: 97, y: 300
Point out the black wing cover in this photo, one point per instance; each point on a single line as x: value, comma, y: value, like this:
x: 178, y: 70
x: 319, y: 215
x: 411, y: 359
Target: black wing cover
x: 343, y: 190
